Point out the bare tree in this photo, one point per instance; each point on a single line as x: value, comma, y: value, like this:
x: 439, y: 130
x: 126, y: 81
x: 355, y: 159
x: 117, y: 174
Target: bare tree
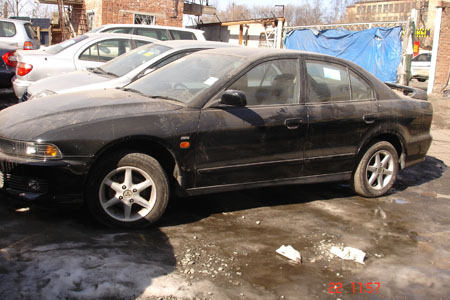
x: 17, y: 7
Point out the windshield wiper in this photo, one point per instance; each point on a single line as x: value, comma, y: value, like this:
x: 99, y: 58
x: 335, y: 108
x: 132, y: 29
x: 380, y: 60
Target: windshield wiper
x: 99, y: 70
x: 164, y: 97
x: 132, y: 90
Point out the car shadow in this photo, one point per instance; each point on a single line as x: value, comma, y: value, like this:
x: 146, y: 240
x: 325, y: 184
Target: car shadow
x: 193, y: 209
x: 57, y: 253
x: 429, y: 170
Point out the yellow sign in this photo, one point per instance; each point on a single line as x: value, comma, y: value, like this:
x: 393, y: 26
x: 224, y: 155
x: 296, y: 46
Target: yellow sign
x: 422, y: 32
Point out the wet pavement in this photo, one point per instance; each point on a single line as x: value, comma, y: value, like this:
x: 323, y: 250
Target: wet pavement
x: 223, y: 246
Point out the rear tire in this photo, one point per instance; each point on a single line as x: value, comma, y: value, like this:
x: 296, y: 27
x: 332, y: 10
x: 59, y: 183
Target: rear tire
x: 128, y: 190
x: 376, y: 171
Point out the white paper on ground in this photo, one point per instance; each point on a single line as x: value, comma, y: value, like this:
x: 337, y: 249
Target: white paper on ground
x: 289, y: 252
x: 349, y: 253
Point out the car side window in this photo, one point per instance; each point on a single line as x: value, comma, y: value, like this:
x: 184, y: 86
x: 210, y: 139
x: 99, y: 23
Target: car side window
x: 119, y: 30
x: 361, y: 90
x: 106, y: 50
x: 140, y: 43
x: 7, y: 29
x: 160, y: 34
x: 327, y: 82
x: 182, y: 35
x: 270, y: 83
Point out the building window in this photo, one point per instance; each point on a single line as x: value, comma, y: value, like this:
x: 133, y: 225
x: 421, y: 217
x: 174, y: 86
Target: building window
x: 390, y: 7
x: 363, y: 9
x: 396, y: 8
x: 379, y: 8
x: 385, y: 7
x: 369, y: 9
x: 358, y: 9
x: 402, y: 7
x: 144, y: 19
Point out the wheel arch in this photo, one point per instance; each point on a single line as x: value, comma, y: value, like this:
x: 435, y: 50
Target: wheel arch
x: 396, y: 140
x: 143, y: 144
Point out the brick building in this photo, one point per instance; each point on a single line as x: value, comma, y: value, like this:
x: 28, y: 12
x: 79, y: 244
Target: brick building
x: 442, y: 74
x: 380, y: 10
x: 155, y: 12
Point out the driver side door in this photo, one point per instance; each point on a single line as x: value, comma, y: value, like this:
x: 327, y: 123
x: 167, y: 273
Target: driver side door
x: 261, y: 141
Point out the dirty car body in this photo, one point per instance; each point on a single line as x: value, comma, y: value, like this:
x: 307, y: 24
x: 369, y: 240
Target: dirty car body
x: 216, y: 120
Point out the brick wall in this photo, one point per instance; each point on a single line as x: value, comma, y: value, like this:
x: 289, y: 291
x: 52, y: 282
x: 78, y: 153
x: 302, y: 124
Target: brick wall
x: 443, y: 57
x: 122, y: 11
x: 94, y: 6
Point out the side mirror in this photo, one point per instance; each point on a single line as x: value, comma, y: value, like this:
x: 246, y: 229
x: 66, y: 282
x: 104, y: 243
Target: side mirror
x: 234, y: 98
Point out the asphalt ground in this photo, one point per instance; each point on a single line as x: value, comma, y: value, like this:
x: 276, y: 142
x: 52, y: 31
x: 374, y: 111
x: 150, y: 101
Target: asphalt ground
x: 223, y: 246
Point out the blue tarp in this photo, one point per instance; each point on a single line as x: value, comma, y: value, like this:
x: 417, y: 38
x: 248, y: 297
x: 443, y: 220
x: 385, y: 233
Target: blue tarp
x: 378, y: 50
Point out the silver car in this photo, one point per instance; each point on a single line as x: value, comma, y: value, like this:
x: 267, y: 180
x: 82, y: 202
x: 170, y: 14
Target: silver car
x: 79, y: 53
x: 121, y: 70
x: 19, y: 34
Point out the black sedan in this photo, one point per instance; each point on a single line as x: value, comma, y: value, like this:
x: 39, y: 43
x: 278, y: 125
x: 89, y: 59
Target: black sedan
x: 217, y: 120
x: 8, y: 64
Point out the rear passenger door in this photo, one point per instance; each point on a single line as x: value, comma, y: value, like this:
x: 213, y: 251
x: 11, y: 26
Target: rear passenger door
x: 341, y: 110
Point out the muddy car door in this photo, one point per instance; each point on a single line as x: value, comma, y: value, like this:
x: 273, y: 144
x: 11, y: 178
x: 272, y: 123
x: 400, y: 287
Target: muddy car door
x: 260, y: 141
x: 342, y: 109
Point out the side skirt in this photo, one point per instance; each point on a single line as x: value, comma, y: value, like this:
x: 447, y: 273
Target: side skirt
x: 250, y: 185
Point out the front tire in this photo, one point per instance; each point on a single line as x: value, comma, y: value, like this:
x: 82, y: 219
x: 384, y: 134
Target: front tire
x: 128, y: 190
x: 376, y: 171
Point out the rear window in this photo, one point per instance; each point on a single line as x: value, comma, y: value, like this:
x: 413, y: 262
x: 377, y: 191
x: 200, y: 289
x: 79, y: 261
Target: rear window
x: 7, y: 29
x: 66, y: 44
x: 134, y: 59
x: 182, y: 35
x: 30, y: 31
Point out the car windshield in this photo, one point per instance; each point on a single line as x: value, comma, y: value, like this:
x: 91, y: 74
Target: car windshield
x: 133, y: 59
x: 185, y: 78
x: 66, y: 44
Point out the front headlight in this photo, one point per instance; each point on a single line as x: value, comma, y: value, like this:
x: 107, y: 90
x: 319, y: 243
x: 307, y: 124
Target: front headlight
x: 30, y: 149
x: 41, y: 94
x: 44, y: 150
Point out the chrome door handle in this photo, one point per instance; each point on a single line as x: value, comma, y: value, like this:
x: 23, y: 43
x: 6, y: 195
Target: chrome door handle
x: 369, y: 119
x: 292, y: 123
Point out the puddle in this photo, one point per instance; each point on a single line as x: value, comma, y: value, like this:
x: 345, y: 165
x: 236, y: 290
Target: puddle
x: 400, y: 201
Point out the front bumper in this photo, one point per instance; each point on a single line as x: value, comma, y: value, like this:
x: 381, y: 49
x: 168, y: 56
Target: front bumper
x: 43, y: 181
x: 20, y: 86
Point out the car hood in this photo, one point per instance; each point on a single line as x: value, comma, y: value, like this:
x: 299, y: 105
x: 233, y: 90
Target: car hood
x: 29, y: 120
x: 66, y: 81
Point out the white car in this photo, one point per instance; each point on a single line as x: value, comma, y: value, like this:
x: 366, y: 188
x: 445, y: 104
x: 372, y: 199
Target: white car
x: 19, y: 34
x: 420, y: 66
x: 119, y: 71
x: 162, y: 33
x: 79, y: 53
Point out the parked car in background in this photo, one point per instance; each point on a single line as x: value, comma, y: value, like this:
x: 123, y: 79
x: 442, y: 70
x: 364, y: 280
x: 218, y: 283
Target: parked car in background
x: 19, y: 34
x: 162, y: 33
x: 79, y: 53
x: 119, y: 71
x: 8, y: 64
x: 420, y: 66
x: 213, y: 121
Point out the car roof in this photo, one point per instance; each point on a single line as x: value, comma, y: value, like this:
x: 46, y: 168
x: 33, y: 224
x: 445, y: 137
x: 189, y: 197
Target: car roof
x: 259, y: 52
x: 17, y: 21
x: 122, y: 35
x: 151, y: 26
x: 195, y: 44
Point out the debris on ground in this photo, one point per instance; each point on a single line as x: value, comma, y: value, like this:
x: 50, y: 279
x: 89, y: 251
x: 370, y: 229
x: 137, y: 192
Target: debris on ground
x: 290, y: 252
x: 349, y: 253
